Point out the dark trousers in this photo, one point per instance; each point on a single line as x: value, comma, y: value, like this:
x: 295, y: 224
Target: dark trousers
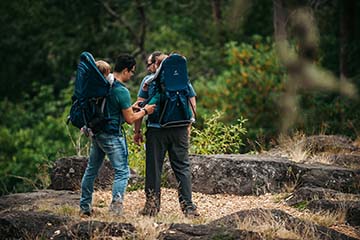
x: 175, y: 141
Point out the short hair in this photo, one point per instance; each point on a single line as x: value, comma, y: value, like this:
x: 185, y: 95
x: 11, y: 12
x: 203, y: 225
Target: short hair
x: 124, y: 61
x: 103, y: 66
x: 154, y: 55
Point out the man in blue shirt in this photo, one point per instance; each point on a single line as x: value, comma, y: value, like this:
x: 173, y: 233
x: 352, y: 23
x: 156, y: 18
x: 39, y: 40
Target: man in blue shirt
x: 111, y: 140
x: 160, y: 140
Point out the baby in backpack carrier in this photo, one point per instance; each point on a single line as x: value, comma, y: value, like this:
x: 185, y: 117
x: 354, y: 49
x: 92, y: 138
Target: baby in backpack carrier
x: 105, y: 69
x: 156, y: 97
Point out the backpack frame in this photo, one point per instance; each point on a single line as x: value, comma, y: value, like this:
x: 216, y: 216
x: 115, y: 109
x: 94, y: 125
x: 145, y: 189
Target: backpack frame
x: 172, y: 83
x: 90, y: 96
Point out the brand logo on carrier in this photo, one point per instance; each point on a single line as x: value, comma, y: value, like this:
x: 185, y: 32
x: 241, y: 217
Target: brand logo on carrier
x: 176, y: 73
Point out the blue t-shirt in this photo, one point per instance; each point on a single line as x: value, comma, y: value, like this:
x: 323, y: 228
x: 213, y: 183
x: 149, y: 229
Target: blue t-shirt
x: 118, y: 100
x: 153, y: 119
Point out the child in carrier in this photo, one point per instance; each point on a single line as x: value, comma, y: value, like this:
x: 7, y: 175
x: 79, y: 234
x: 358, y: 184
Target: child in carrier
x: 105, y: 69
x: 156, y: 97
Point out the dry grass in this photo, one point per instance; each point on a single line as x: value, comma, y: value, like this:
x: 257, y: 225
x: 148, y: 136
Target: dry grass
x: 211, y: 207
x: 267, y: 226
x: 326, y: 218
x: 292, y: 147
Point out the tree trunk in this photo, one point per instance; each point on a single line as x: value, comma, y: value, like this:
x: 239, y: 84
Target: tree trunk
x: 347, y: 9
x: 138, y: 36
x: 217, y: 16
x: 279, y: 21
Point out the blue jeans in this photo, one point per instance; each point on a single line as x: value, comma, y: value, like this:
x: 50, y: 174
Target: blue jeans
x: 115, y: 147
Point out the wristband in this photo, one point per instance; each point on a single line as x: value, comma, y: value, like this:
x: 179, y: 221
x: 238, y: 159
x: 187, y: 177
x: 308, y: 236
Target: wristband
x: 146, y: 112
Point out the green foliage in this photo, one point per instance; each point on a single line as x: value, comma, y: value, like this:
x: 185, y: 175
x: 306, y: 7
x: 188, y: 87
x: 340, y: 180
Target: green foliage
x: 136, y: 152
x: 33, y: 134
x: 301, y: 206
x: 217, y: 137
x: 250, y: 87
x: 328, y: 113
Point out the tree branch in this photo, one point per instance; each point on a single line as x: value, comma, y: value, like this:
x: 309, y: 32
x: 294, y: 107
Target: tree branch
x: 121, y: 19
x: 139, y: 38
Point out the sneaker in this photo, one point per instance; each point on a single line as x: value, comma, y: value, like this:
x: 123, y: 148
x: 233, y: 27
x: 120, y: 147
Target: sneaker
x: 116, y: 208
x: 191, y: 212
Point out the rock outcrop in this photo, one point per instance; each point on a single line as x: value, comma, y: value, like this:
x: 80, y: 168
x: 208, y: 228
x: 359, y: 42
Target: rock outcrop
x: 316, y: 187
x: 253, y: 175
x: 66, y: 174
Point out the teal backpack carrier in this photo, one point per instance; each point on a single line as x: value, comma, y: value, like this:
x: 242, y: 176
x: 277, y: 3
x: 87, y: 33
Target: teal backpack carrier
x: 172, y: 93
x: 88, y: 110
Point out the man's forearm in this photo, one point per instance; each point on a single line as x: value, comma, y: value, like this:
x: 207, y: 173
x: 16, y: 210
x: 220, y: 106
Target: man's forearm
x: 137, y: 125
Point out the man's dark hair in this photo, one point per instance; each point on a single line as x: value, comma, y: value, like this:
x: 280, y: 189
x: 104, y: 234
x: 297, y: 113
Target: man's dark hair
x: 154, y: 55
x: 124, y: 61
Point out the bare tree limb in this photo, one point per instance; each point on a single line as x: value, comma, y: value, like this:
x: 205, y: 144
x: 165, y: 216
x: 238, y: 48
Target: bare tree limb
x: 121, y: 19
x: 138, y: 37
x: 143, y: 22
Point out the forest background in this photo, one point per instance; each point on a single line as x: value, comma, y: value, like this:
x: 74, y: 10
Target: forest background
x: 260, y: 68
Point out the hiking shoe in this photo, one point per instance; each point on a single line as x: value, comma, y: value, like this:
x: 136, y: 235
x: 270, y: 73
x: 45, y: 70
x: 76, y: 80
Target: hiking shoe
x: 85, y: 213
x: 191, y: 212
x: 116, y: 208
x: 148, y: 211
x: 152, y: 205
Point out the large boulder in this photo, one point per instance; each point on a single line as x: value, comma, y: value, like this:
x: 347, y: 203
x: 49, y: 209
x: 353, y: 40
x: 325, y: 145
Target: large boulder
x: 329, y: 143
x: 345, y: 160
x: 254, y: 218
x: 351, y: 209
x: 29, y: 225
x: 237, y: 174
x: 303, y: 194
x: 66, y: 174
x: 325, y: 176
x: 189, y: 231
x: 243, y: 174
x: 31, y: 200
x: 96, y: 230
x: 45, y: 225
x: 327, y: 200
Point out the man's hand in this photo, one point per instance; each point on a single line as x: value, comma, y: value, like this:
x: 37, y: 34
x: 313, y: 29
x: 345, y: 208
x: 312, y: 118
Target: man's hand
x: 189, y: 130
x: 138, y: 138
x: 150, y: 108
x: 135, y: 107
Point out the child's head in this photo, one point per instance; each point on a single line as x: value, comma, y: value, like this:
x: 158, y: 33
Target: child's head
x: 160, y: 58
x: 103, y: 67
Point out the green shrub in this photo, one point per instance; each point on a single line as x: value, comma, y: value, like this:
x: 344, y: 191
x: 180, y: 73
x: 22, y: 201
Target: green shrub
x: 136, y: 152
x: 250, y: 87
x: 33, y: 135
x: 217, y: 137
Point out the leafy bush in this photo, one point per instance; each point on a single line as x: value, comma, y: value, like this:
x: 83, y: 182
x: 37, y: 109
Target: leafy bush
x: 249, y: 87
x: 217, y: 137
x: 33, y: 134
x: 136, y: 152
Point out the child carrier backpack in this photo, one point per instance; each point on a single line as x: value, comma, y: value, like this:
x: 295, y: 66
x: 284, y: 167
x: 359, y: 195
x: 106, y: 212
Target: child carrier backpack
x: 173, y: 85
x: 89, y: 100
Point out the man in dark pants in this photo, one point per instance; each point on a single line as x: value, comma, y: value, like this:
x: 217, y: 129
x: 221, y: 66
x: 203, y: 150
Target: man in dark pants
x: 160, y: 140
